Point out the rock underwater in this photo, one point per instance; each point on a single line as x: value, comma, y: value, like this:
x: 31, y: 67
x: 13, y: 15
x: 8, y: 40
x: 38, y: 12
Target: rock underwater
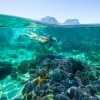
x: 61, y: 78
x: 5, y: 69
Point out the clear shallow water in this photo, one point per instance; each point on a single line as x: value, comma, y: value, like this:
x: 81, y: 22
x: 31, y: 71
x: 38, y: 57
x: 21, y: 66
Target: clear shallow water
x: 81, y: 42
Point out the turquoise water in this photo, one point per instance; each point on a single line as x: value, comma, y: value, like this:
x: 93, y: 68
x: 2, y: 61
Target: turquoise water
x: 79, y: 42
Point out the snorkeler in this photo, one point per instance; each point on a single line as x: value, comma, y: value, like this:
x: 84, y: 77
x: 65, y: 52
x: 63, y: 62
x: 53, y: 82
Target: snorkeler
x: 41, y: 39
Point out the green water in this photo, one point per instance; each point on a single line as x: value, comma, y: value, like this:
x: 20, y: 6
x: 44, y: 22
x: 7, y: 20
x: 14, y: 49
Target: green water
x: 81, y: 42
x: 71, y: 39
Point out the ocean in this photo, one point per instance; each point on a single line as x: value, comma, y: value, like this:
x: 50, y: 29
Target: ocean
x: 40, y: 61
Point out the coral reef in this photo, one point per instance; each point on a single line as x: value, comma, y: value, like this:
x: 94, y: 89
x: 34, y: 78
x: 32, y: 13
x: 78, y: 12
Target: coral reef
x: 59, y: 78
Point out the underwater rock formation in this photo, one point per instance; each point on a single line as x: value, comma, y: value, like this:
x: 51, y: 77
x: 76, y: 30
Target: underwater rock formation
x: 23, y: 70
x: 5, y: 69
x: 61, y: 78
x: 23, y: 66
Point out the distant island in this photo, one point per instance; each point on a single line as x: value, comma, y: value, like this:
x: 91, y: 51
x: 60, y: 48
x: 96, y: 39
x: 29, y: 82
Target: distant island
x: 49, y: 20
x: 71, y: 22
x: 53, y: 20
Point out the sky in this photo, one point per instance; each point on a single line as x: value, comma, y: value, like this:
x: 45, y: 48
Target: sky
x: 87, y: 11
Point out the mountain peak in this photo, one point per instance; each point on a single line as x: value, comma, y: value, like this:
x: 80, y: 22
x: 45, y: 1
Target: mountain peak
x: 71, y: 22
x: 53, y: 20
x: 49, y: 20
